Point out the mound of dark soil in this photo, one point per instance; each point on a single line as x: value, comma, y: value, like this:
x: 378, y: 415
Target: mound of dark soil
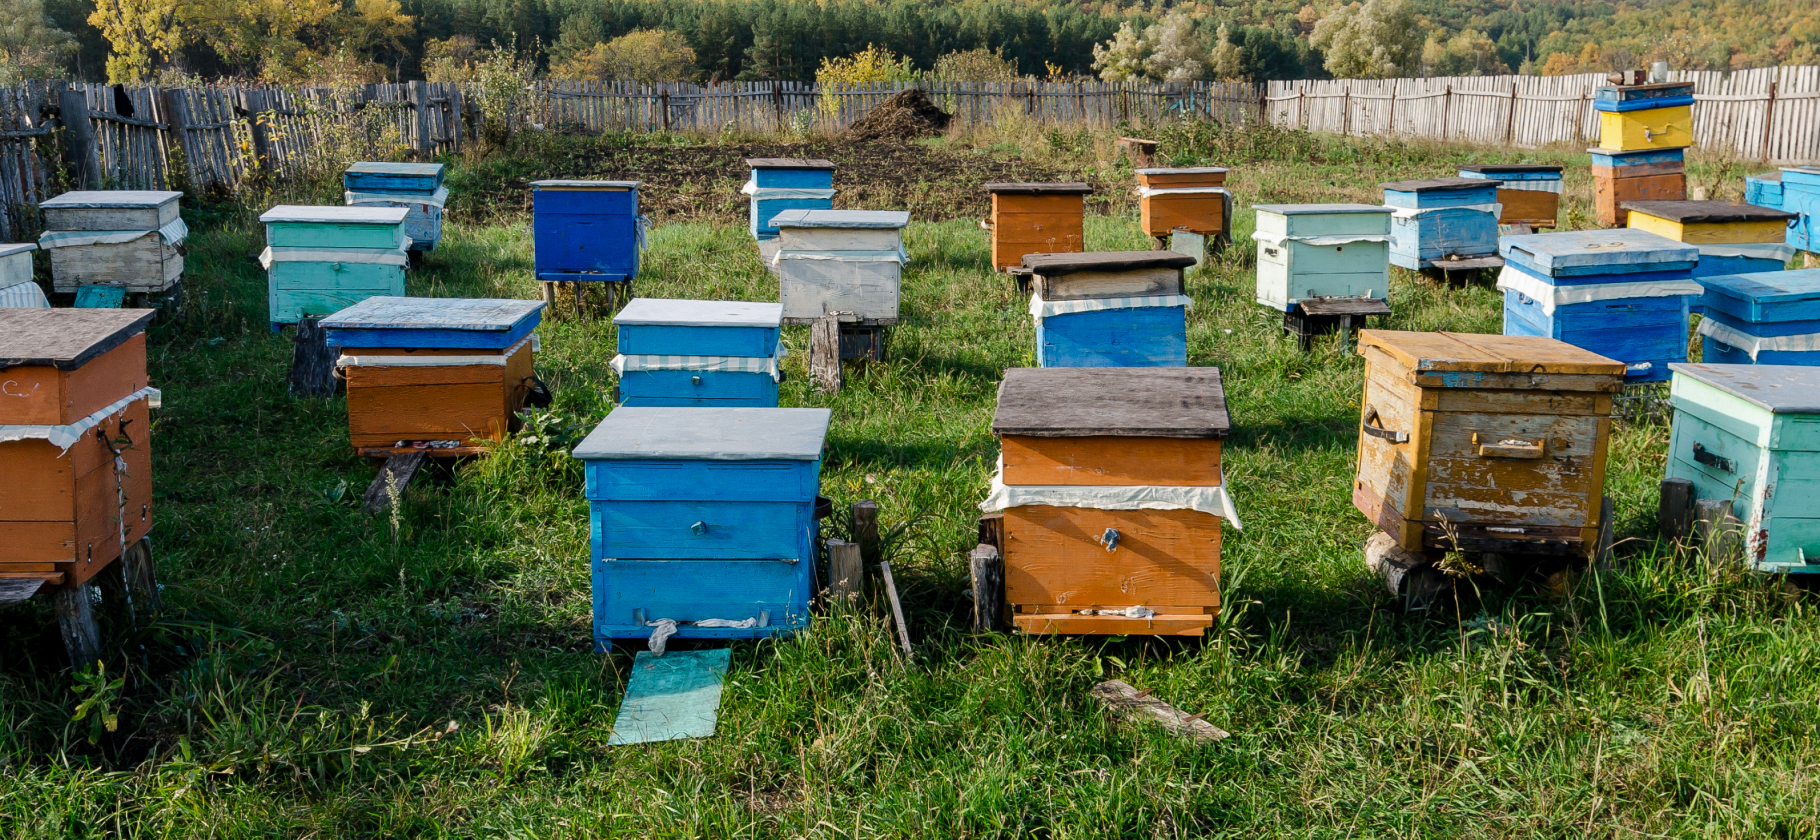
x: 906, y: 115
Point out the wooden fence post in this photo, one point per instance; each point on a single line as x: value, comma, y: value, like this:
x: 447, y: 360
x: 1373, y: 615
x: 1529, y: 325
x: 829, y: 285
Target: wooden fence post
x: 455, y: 116
x: 1346, y: 113
x: 79, y: 135
x: 1301, y: 108
x: 1769, y: 113
x: 1264, y: 105
x: 1510, y: 117
x: 1446, y: 102
x: 420, y: 102
x: 255, y: 103
x: 663, y: 101
x: 1390, y: 124
x: 176, y: 128
x: 1580, y: 118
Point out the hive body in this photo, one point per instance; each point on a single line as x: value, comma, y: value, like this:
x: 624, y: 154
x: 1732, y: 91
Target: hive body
x: 780, y: 184
x: 698, y: 353
x: 1036, y: 219
x: 1530, y: 194
x: 1110, y: 309
x: 1194, y: 199
x: 1732, y: 237
x: 1801, y: 195
x: 1767, y: 318
x: 586, y: 230
x: 320, y: 260
x: 126, y: 239
x: 843, y: 261
x: 415, y: 187
x: 1645, y: 175
x: 1322, y: 250
x: 1440, y: 219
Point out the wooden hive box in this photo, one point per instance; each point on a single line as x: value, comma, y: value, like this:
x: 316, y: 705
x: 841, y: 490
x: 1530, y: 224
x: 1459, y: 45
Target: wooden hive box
x: 586, y: 230
x: 1110, y: 308
x: 17, y: 289
x: 1768, y: 318
x: 1194, y: 199
x: 1624, y: 294
x: 1801, y: 194
x: 1764, y: 190
x: 127, y: 239
x: 1321, y: 251
x: 1484, y: 442
x: 1437, y: 219
x: 701, y: 514
x: 1659, y: 116
x: 1530, y: 194
x: 1647, y: 175
x: 416, y: 187
x: 716, y: 353
x: 1112, y: 494
x: 75, y: 445
x: 321, y: 260
x: 779, y: 184
x: 846, y: 261
x: 1750, y: 435
x: 446, y: 372
x: 1733, y: 238
x: 1036, y: 219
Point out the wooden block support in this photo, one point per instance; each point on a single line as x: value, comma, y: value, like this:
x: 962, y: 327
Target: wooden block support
x: 846, y: 574
x: 18, y: 590
x: 1607, y: 511
x: 988, y: 571
x: 1128, y: 702
x: 992, y: 531
x: 75, y: 610
x: 824, y: 354
x: 312, y: 362
x: 1676, y: 510
x: 1409, y: 576
x: 393, y: 478
x: 865, y: 530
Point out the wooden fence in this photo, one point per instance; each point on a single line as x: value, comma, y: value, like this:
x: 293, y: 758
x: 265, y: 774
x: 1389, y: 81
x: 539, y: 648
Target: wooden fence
x: 1771, y: 114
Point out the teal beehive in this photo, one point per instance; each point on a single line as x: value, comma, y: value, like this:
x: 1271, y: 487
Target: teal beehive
x: 416, y: 187
x: 320, y: 260
x: 1750, y: 434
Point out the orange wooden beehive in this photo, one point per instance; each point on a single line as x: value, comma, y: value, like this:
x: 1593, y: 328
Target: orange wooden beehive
x: 1112, y: 497
x: 1643, y: 175
x: 75, y: 444
x: 1192, y: 199
x: 1035, y: 219
x: 437, y: 373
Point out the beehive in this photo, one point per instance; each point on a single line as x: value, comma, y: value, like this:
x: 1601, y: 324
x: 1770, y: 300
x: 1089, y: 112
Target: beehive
x: 127, y: 239
x: 1801, y: 195
x: 1648, y: 175
x: 1483, y: 442
x: 779, y: 184
x: 1437, y: 219
x: 846, y: 261
x: 1529, y: 194
x: 17, y: 290
x: 75, y: 440
x: 1733, y: 238
x: 1112, y: 493
x: 1194, y: 199
x: 1633, y: 117
x: 1750, y: 435
x: 416, y: 187
x: 445, y: 373
x: 586, y: 230
x: 1320, y: 251
x: 698, y: 353
x: 1769, y: 318
x: 704, y: 517
x: 1110, y: 309
x: 1623, y: 294
x: 320, y: 260
x: 1036, y: 219
x: 1764, y: 190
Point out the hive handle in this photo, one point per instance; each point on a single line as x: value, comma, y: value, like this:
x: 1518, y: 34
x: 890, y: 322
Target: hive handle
x: 1510, y: 448
x: 699, y: 528
x: 1372, y: 428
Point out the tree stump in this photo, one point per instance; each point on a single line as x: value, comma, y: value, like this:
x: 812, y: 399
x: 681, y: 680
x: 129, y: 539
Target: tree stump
x: 312, y: 363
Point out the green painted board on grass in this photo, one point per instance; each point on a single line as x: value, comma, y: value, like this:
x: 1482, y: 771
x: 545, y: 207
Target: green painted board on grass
x: 670, y: 697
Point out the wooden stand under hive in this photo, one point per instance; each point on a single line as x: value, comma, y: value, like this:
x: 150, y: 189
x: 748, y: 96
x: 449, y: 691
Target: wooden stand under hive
x: 1112, y: 495
x: 1751, y: 436
x: 1732, y: 238
x: 1324, y: 266
x: 1446, y: 223
x: 124, y: 239
x: 1484, y: 442
x: 1528, y: 194
x: 1623, y: 294
x: 1035, y: 219
x: 1769, y: 318
x: 438, y: 375
x: 1110, y: 309
x: 587, y: 231
x: 1192, y: 199
x: 320, y: 260
x: 848, y: 263
x: 714, y: 353
x: 416, y: 187
x: 703, y: 520
x: 779, y: 184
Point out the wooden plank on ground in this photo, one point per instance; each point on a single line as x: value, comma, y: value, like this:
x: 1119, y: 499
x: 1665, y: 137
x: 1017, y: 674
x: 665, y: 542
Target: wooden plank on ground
x: 1124, y: 700
x: 671, y: 697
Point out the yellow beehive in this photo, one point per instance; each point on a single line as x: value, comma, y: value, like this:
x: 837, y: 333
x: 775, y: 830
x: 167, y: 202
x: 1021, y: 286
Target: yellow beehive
x: 1656, y: 128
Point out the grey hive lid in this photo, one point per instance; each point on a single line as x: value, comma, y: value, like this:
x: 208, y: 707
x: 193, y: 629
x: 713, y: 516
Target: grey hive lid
x: 1181, y: 170
x: 1495, y: 168
x: 333, y: 214
x: 8, y: 249
x: 707, y: 434
x: 1184, y: 402
x: 1320, y: 209
x: 1057, y: 188
x: 1768, y: 176
x: 1695, y: 212
x: 661, y: 312
x: 1595, y: 247
x: 66, y: 338
x: 856, y: 219
x: 789, y: 163
x: 376, y: 167
x: 1057, y: 265
x: 1424, y: 185
x: 586, y: 185
x: 111, y: 199
x: 416, y: 313
x: 1782, y: 389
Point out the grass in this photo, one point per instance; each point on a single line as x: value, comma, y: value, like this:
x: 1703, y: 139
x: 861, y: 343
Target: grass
x: 322, y: 672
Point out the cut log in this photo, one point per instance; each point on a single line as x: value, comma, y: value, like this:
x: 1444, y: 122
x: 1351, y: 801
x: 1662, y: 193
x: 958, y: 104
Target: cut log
x: 75, y: 610
x: 988, y: 570
x: 824, y: 354
x: 846, y: 574
x: 1676, y: 510
x: 312, y: 362
x: 865, y: 530
x: 1411, y: 577
x: 1119, y: 697
x: 393, y: 478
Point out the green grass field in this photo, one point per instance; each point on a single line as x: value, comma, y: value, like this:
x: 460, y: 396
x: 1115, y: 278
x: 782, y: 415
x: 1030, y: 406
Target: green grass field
x: 320, y: 672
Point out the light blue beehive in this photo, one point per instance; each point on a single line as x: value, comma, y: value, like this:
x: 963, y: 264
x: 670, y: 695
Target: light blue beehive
x: 1764, y: 190
x: 320, y: 260
x: 717, y: 353
x: 416, y: 187
x: 1767, y: 318
x: 1801, y: 195
x: 1110, y: 309
x: 779, y: 184
x: 1440, y: 219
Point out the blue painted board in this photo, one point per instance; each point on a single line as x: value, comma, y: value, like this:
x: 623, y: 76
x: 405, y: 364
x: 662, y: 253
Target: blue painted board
x: 1639, y: 157
x: 722, y: 434
x: 376, y: 176
x: 332, y: 226
x: 1649, y: 93
x: 1764, y: 190
x: 1611, y: 107
x: 573, y: 202
x: 1765, y: 296
x: 1802, y: 198
x: 1716, y: 266
x: 435, y: 323
x: 766, y: 209
x: 726, y: 389
x: 1602, y: 279
x: 1455, y: 195
x: 1151, y: 336
x: 573, y: 244
x: 695, y: 530
x: 1717, y: 353
x: 1454, y: 231
x: 1590, y: 252
x: 793, y: 179
x: 670, y: 697
x: 659, y: 340
x: 100, y: 297
x: 1635, y: 331
x: 724, y: 481
x: 1765, y: 329
x: 693, y: 590
x: 1807, y: 176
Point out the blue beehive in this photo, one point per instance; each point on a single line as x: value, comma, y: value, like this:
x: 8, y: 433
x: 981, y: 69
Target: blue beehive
x: 1801, y: 195
x: 1627, y: 98
x: 1441, y: 218
x: 1110, y: 309
x: 586, y: 230
x: 699, y: 352
x: 1764, y: 190
x: 779, y: 184
x: 1623, y: 294
x: 1768, y: 318
x: 704, y: 517
x: 416, y: 187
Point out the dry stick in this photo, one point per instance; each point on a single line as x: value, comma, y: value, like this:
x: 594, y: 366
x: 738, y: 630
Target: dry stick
x: 897, y: 609
x: 1121, y: 698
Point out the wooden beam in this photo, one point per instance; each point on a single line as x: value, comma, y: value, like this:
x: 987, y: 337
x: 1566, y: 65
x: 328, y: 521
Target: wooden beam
x: 393, y: 478
x: 79, y: 136
x: 897, y: 609
x: 824, y: 354
x: 75, y: 610
x: 1676, y: 509
x: 18, y: 590
x: 1122, y: 699
x: 865, y: 530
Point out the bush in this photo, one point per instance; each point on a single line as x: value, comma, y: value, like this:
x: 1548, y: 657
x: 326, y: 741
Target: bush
x: 646, y: 55
x: 872, y: 64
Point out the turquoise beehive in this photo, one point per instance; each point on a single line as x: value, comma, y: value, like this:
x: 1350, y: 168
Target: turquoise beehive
x: 320, y: 260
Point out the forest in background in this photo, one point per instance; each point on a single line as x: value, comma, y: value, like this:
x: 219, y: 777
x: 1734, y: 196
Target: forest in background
x: 717, y: 40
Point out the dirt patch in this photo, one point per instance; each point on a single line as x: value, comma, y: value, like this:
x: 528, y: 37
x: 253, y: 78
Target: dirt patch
x: 906, y: 115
